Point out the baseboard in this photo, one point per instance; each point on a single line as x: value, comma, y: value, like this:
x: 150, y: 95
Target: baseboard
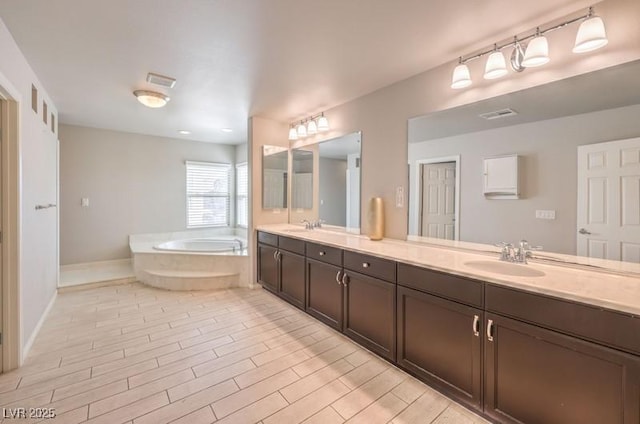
x: 34, y: 334
x: 86, y: 286
x: 96, y: 264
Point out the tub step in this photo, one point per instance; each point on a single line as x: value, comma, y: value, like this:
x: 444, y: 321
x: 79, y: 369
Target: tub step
x: 190, y: 280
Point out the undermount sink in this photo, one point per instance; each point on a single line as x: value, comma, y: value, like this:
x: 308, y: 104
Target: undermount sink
x: 505, y: 268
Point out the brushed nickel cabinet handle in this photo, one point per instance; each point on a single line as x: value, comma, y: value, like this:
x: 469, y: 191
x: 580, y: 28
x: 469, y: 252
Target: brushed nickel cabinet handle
x: 338, y: 277
x: 365, y: 265
x: 490, y: 330
x: 345, y: 279
x: 275, y: 255
x: 476, y: 325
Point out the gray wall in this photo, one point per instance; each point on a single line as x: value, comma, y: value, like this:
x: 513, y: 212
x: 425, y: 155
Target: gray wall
x: 548, y: 175
x: 333, y: 191
x: 135, y: 184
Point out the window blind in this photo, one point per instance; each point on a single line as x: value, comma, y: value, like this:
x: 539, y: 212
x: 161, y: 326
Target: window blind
x: 242, y: 192
x: 208, y: 198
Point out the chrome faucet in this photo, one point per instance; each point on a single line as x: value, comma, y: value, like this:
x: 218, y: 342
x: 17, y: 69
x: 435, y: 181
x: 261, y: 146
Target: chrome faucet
x: 519, y: 254
x: 307, y: 225
x: 310, y: 225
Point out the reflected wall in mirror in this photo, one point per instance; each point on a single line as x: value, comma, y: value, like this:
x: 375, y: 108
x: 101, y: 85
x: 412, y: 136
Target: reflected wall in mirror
x: 275, y: 164
x: 339, y: 187
x: 578, y: 143
x: 302, y: 179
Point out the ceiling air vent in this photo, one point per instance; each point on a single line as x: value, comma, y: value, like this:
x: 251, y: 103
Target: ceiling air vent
x: 502, y: 113
x: 161, y: 80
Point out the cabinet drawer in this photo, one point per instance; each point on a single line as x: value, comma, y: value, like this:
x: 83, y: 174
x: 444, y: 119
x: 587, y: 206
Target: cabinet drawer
x: 370, y: 265
x: 614, y: 329
x: 291, y: 244
x: 444, y: 285
x: 330, y: 255
x: 267, y: 238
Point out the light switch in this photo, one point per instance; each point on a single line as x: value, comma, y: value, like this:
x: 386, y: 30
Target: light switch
x: 84, y: 202
x: 545, y: 214
x: 399, y: 197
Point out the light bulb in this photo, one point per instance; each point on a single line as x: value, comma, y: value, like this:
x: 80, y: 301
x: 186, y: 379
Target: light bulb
x: 293, y: 134
x: 312, y: 128
x: 591, y: 35
x: 302, y: 130
x: 461, y: 77
x: 323, y: 123
x: 496, y: 66
x: 537, y: 53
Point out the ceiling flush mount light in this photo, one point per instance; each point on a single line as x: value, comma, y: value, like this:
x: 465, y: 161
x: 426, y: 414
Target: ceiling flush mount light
x: 151, y: 98
x: 461, y: 76
x: 537, y: 53
x: 184, y: 132
x: 591, y: 36
x: 496, y: 66
x: 226, y: 130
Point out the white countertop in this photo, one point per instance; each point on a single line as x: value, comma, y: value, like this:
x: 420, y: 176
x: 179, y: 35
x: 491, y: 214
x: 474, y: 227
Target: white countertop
x: 601, y: 289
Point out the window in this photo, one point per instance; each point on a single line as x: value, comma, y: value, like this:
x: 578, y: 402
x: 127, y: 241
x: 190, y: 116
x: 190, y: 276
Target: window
x: 242, y: 192
x: 208, y: 196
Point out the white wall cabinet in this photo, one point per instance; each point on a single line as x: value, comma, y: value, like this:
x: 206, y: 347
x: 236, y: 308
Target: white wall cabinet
x: 501, y: 179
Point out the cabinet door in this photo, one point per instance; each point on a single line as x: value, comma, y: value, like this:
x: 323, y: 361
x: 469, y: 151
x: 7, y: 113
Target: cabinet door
x: 441, y: 342
x: 535, y: 375
x: 324, y: 294
x: 292, y: 278
x: 268, y: 267
x: 370, y: 312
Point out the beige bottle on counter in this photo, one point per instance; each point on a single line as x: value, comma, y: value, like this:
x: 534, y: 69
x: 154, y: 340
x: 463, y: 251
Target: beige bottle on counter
x: 375, y: 218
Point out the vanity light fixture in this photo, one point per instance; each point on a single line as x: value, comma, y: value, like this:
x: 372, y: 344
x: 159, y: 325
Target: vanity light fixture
x: 591, y: 36
x: 151, y: 98
x: 309, y: 127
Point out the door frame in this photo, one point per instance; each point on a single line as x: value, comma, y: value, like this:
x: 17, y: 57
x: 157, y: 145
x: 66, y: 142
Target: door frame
x: 10, y: 255
x: 418, y: 180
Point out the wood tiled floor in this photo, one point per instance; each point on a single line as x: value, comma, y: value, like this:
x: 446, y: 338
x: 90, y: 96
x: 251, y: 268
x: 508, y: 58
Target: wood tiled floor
x: 134, y: 354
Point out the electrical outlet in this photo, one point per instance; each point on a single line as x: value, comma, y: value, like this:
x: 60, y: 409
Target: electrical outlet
x: 546, y: 214
x: 84, y: 202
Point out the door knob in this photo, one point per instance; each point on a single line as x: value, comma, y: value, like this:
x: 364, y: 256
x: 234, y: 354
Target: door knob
x: 584, y: 231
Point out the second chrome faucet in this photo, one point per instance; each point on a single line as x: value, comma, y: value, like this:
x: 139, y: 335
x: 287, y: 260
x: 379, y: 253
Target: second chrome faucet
x: 516, y: 254
x: 310, y: 225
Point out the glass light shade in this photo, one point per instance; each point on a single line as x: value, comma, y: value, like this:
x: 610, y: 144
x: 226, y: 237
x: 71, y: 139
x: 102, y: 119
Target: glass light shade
x: 591, y: 35
x: 302, y: 130
x: 323, y: 123
x: 537, y: 53
x: 151, y: 98
x: 312, y: 128
x: 293, y: 134
x: 461, y: 77
x: 496, y: 66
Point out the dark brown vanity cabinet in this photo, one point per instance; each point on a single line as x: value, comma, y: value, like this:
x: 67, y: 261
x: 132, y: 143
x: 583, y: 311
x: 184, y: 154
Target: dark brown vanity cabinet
x: 281, y: 267
x: 440, y: 340
x: 370, y: 302
x: 325, y: 293
x: 546, y: 375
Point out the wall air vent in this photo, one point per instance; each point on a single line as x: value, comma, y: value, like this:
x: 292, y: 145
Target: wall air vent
x: 161, y: 80
x: 502, y: 113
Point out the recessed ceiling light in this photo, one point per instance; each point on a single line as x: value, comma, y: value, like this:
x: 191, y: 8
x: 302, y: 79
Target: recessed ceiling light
x: 227, y: 130
x: 184, y: 132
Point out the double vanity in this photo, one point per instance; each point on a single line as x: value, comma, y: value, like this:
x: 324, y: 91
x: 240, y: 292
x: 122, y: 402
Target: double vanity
x: 516, y: 343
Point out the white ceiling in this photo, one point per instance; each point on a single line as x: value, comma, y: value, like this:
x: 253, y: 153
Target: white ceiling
x: 282, y: 59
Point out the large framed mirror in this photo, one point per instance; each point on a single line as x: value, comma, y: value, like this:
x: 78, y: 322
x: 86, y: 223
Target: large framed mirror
x: 275, y: 165
x: 569, y: 152
x: 337, y: 184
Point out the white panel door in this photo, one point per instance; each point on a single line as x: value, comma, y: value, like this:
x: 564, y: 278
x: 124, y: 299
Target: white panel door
x: 609, y: 200
x: 438, y: 200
